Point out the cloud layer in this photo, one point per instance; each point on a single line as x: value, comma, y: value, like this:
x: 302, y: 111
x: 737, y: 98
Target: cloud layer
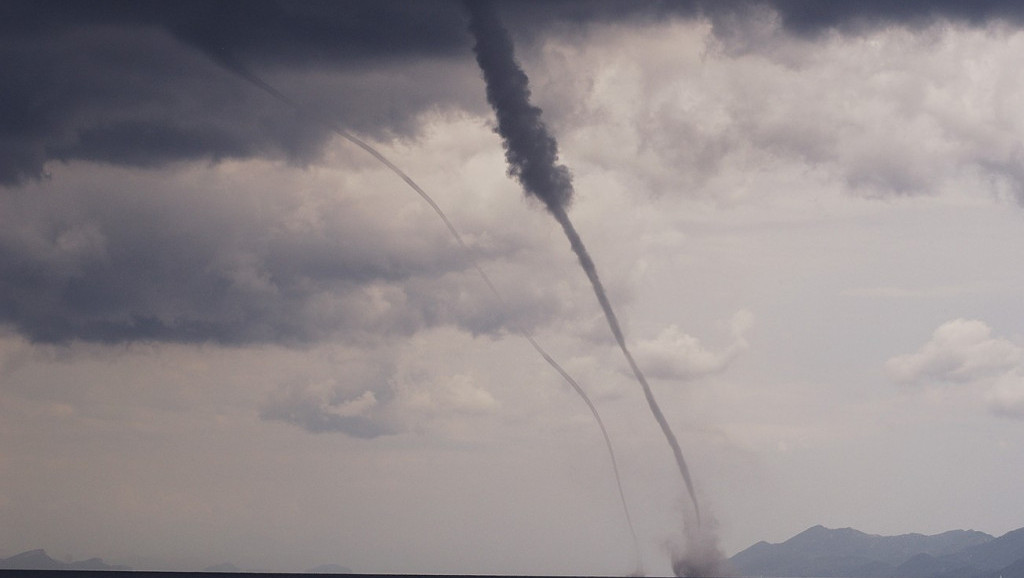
x: 144, y: 83
x: 150, y: 86
x: 245, y: 255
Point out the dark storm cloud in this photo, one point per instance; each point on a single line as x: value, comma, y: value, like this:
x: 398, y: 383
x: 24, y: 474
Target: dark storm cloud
x: 143, y: 84
x: 812, y: 15
x: 130, y: 97
x: 136, y: 83
x: 530, y: 18
x: 283, y: 32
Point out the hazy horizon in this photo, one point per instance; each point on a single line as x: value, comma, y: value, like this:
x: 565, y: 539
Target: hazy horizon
x: 144, y: 564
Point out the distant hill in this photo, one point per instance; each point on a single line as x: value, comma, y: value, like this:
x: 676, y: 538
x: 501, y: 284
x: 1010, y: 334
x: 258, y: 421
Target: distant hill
x: 1015, y: 570
x: 992, y: 557
x: 38, y: 560
x: 845, y: 552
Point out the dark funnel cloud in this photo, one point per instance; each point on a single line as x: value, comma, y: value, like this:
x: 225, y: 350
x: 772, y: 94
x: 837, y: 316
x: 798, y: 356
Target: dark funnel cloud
x: 532, y: 154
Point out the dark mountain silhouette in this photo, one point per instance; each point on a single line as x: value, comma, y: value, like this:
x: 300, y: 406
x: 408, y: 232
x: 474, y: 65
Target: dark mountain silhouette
x: 824, y: 552
x: 39, y: 560
x: 1015, y: 570
x: 31, y: 560
x: 846, y: 552
x: 993, y: 557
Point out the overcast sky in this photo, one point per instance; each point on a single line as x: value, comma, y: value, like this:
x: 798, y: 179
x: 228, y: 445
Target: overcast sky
x: 229, y: 335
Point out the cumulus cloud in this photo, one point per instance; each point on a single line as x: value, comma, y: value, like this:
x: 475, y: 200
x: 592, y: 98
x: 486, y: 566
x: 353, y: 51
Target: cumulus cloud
x: 963, y: 351
x: 252, y: 254
x: 674, y: 354
x: 455, y: 393
x: 905, y: 112
x: 317, y: 410
x: 960, y: 351
x: 353, y: 394
x: 369, y: 400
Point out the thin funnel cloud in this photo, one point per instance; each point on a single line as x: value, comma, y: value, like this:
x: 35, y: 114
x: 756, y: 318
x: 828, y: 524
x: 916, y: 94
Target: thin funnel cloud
x: 532, y: 155
x: 236, y: 67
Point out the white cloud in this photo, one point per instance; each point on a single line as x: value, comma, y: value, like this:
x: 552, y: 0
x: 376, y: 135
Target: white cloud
x: 456, y: 393
x: 961, y: 350
x: 905, y: 112
x: 964, y: 351
x: 674, y: 354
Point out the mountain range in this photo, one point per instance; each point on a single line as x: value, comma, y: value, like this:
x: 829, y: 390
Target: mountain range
x: 833, y: 553
x: 817, y: 552
x: 38, y: 560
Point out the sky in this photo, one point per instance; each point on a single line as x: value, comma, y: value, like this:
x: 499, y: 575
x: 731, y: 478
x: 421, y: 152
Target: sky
x: 228, y: 334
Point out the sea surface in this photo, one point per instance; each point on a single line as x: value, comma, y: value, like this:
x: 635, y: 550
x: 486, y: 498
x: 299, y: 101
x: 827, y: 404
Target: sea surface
x: 153, y: 574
